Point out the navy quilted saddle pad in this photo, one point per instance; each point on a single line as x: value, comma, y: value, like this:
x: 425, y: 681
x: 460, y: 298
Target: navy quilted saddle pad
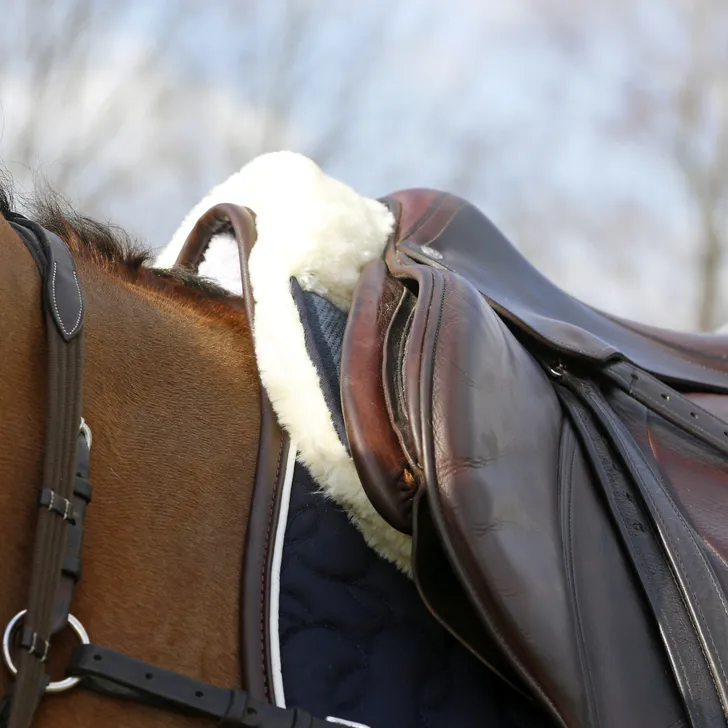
x: 356, y: 641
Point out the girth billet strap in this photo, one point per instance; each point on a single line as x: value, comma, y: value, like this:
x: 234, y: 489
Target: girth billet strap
x: 63, y: 309
x: 679, y: 584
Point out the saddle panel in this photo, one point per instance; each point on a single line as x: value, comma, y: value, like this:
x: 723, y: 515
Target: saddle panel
x: 441, y: 230
x: 698, y: 477
x: 695, y: 474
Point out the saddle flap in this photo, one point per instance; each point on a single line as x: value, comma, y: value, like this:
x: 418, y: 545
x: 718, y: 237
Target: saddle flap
x: 490, y: 428
x: 505, y: 484
x: 434, y: 384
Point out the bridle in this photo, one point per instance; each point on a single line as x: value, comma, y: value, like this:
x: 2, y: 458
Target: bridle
x: 62, y: 500
x: 65, y: 489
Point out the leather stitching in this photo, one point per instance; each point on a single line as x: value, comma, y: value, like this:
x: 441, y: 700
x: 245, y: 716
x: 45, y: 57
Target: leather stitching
x: 55, y: 302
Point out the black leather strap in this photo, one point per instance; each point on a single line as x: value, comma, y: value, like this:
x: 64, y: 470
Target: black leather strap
x: 670, y: 404
x: 663, y: 595
x: 109, y: 672
x: 703, y: 631
x: 71, y: 568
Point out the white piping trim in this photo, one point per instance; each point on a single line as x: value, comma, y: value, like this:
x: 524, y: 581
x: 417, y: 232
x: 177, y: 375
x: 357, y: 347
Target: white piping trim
x: 279, y: 697
x: 341, y: 721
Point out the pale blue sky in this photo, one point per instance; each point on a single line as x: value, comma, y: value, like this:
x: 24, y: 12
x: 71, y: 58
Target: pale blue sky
x: 471, y: 96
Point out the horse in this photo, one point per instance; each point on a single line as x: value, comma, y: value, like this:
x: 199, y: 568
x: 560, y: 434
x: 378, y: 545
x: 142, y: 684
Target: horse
x: 172, y: 397
x: 455, y: 494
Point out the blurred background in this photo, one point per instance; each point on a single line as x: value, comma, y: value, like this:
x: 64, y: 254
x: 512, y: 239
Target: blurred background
x: 593, y: 132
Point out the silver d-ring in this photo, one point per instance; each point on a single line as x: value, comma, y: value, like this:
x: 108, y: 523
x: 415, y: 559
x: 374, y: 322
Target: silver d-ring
x: 55, y: 687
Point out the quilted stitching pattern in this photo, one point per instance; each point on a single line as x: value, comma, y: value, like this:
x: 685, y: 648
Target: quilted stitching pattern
x: 357, y: 642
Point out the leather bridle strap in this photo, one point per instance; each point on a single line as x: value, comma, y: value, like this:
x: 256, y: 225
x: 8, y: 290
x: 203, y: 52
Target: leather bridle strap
x: 63, y: 309
x: 112, y: 673
x: 72, y: 565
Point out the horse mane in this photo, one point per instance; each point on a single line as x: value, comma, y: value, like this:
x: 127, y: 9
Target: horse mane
x: 114, y: 250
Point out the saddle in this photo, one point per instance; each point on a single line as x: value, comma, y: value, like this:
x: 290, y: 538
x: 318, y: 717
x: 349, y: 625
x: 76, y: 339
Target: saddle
x: 563, y: 472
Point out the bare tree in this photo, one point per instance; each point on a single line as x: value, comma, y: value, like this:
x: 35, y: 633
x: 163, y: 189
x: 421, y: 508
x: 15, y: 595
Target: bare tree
x: 700, y: 142
x: 672, y: 97
x: 129, y: 107
x: 134, y: 110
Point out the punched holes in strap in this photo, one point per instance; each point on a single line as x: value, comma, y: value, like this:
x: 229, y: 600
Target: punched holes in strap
x: 112, y: 673
x: 670, y: 404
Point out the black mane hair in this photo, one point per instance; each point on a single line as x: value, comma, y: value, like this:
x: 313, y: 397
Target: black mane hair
x: 111, y: 247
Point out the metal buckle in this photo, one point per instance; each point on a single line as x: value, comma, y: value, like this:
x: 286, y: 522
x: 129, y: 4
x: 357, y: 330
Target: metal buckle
x: 54, y: 687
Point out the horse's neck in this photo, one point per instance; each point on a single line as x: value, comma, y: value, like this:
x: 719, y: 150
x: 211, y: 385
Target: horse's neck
x: 172, y: 400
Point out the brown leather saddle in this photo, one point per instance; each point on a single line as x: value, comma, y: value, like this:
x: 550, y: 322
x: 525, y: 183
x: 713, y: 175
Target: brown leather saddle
x: 563, y: 472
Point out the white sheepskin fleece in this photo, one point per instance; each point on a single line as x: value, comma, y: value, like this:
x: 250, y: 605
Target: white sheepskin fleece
x: 320, y: 231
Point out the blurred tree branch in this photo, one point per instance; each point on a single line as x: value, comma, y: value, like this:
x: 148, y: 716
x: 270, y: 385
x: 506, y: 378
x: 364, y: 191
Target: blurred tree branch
x: 97, y: 97
x: 673, y: 98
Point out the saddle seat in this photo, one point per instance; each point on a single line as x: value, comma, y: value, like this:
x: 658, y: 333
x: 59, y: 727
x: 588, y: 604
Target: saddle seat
x: 437, y: 228
x: 562, y: 471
